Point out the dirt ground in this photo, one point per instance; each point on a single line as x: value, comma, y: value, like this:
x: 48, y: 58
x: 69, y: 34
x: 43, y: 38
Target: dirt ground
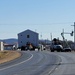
x: 6, y: 56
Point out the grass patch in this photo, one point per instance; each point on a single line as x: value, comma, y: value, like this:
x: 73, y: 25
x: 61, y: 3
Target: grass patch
x: 6, y: 56
x: 3, y: 54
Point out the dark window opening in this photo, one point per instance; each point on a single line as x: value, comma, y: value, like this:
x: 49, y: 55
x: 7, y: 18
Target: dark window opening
x: 28, y: 36
x: 21, y: 41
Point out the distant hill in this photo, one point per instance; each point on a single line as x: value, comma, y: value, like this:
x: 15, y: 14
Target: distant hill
x: 45, y: 41
x: 13, y: 40
x: 10, y: 41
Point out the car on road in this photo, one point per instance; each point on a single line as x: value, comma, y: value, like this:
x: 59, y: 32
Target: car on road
x: 67, y: 50
x: 57, y: 48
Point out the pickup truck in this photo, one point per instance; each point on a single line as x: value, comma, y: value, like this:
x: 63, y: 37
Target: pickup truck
x: 57, y: 48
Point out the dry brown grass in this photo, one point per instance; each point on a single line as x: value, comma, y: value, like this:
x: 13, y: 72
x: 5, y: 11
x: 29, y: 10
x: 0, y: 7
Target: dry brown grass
x: 6, y: 56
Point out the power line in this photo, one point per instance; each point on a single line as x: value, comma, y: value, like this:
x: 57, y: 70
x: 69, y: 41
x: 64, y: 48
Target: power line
x: 38, y: 24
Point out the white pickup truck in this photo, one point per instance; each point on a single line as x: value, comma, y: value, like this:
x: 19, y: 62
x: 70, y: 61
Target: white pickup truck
x: 57, y: 48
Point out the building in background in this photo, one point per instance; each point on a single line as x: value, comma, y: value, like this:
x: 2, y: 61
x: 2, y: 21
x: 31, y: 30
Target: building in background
x: 9, y: 46
x: 28, y: 37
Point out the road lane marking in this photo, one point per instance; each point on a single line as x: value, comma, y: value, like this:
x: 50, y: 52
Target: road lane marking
x: 55, y: 68
x: 17, y: 63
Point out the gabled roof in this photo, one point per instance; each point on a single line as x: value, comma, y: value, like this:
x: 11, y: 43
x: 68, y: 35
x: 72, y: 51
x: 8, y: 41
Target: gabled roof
x: 29, y: 31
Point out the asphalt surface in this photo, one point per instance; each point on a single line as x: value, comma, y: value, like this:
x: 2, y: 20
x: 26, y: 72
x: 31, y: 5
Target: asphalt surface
x: 41, y: 63
x: 31, y: 63
x: 67, y: 64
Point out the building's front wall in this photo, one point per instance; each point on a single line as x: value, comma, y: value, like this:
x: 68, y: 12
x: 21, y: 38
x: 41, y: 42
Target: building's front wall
x: 27, y: 36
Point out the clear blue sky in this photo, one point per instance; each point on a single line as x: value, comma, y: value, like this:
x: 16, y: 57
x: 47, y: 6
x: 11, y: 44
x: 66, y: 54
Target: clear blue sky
x: 44, y: 16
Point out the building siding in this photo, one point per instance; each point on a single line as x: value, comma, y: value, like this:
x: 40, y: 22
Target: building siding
x: 22, y: 38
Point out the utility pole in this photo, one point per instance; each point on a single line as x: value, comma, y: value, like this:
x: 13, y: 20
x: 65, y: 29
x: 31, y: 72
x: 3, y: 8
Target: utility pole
x: 51, y: 36
x: 63, y: 35
x: 35, y: 30
x: 74, y: 31
x: 41, y: 36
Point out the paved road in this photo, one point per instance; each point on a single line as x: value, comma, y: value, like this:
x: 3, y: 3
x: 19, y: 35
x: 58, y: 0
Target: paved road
x: 67, y: 64
x: 31, y: 63
x: 41, y: 63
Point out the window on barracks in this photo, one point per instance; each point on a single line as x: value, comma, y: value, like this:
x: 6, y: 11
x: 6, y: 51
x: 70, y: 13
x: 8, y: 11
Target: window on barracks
x: 28, y: 36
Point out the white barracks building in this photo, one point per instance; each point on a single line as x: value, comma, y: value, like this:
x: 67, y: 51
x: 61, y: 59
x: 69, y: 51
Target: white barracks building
x: 27, y: 36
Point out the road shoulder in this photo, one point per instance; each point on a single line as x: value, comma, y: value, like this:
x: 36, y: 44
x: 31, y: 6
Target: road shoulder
x: 8, y: 56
